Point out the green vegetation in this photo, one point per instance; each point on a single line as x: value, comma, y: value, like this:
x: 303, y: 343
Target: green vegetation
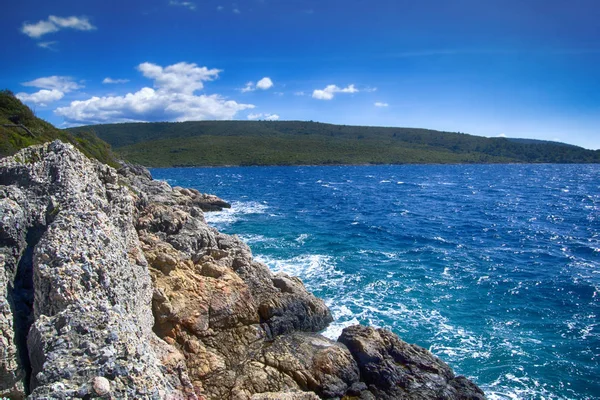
x: 26, y: 129
x: 296, y: 143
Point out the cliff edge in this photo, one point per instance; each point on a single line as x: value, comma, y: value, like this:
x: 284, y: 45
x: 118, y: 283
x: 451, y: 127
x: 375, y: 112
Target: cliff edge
x: 112, y: 285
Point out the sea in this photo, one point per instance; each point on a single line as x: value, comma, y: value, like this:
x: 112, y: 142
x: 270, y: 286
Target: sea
x: 493, y: 268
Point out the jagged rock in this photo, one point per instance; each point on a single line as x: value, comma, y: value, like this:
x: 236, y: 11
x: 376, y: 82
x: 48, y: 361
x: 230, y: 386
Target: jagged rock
x: 112, y: 285
x: 216, y: 304
x: 73, y: 243
x: 314, y: 362
x: 161, y: 192
x: 394, y: 369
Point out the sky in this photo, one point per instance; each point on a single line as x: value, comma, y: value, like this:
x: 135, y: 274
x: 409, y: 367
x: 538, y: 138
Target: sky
x: 512, y: 68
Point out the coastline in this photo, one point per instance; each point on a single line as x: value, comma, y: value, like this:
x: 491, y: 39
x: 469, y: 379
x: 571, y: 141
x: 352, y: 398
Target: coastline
x: 253, y: 319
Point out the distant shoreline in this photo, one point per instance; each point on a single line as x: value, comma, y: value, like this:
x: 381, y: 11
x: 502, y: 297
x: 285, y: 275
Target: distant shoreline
x: 356, y: 165
x: 284, y: 143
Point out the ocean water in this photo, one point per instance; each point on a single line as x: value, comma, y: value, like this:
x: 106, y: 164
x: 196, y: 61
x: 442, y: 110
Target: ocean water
x: 493, y: 268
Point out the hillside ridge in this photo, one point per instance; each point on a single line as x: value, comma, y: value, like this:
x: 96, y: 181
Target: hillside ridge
x: 219, y: 143
x: 20, y: 128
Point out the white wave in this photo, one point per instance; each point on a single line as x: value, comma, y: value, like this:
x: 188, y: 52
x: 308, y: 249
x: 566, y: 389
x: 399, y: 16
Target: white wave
x: 250, y: 238
x: 229, y: 216
x: 302, y: 238
x: 334, y: 330
x: 315, y: 270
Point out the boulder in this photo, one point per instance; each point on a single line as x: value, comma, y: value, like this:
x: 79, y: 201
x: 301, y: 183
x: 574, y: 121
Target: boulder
x: 394, y: 369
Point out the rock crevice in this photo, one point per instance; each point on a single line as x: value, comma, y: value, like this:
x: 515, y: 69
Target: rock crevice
x: 20, y: 296
x: 133, y: 295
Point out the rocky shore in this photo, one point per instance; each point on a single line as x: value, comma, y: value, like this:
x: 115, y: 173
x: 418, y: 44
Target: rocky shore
x: 112, y: 285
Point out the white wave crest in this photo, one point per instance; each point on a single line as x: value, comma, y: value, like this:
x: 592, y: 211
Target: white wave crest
x: 228, y: 216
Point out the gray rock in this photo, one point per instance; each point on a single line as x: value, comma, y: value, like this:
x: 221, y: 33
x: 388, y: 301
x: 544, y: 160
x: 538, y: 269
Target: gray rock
x: 69, y: 249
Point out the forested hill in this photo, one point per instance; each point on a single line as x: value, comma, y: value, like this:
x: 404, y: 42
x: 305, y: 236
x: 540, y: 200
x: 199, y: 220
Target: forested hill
x: 299, y: 143
x: 20, y: 128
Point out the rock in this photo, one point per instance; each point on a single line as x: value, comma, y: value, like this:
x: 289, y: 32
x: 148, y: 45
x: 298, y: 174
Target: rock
x: 68, y: 242
x: 314, y: 362
x: 394, y: 369
x: 139, y: 179
x: 101, y: 386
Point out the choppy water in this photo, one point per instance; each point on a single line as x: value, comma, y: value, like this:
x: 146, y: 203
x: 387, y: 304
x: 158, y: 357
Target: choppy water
x: 496, y: 269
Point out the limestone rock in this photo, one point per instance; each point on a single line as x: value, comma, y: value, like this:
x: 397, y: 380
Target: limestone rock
x: 71, y: 264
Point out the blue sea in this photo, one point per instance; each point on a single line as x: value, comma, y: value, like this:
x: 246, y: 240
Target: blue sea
x: 493, y: 268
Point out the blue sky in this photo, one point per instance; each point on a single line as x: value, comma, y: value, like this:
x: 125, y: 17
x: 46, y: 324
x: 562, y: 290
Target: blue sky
x: 515, y: 68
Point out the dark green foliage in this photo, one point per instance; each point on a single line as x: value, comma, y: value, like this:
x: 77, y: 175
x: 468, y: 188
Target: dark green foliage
x: 12, y: 139
x: 294, y: 143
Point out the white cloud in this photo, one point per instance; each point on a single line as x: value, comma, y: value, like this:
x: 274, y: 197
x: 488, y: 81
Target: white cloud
x: 171, y: 99
x: 39, y: 29
x: 266, y: 117
x: 54, y: 24
x: 248, y: 88
x: 220, y: 8
x: 380, y: 104
x: 186, y: 4
x: 62, y: 83
x: 109, y: 80
x: 48, y: 45
x: 53, y: 89
x: 43, y: 97
x: 265, y: 83
x: 236, y: 11
x: 299, y: 93
x: 329, y: 92
x: 178, y: 78
x: 502, y: 135
x: 77, y: 23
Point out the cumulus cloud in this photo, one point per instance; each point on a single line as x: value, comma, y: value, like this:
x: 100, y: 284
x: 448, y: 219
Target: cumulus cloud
x: 380, y: 104
x: 178, y: 78
x: 42, y: 97
x: 54, y: 24
x: 109, y: 80
x: 186, y: 4
x: 53, y: 89
x: 329, y: 92
x: 266, y: 117
x: 173, y: 98
x: 263, y: 84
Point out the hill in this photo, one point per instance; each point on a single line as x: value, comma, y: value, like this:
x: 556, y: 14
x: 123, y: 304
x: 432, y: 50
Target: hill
x: 20, y: 128
x: 214, y: 143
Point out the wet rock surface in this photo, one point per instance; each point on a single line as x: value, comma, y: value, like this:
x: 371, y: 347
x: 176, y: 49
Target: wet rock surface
x: 112, y: 285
